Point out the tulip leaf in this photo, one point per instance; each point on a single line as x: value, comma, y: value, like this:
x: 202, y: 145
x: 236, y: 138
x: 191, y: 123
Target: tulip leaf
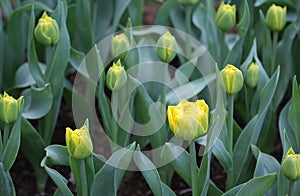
x: 38, y: 101
x: 244, y: 21
x: 166, y: 191
x: 57, y: 155
x: 162, y: 17
x: 6, y: 183
x: 11, y: 149
x: 148, y: 170
x: 76, y: 57
x: 135, y: 10
x: 109, y: 177
x: 266, y: 164
x: 222, y: 155
x: 190, y: 89
x: 23, y: 76
x: 294, y: 111
x: 180, y: 160
x: 120, y: 7
x: 213, y: 189
x: 250, y: 134
x: 204, y: 173
x: 59, y: 180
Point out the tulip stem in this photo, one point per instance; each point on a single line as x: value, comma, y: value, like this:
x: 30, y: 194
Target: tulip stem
x: 291, y: 189
x: 188, y: 13
x: 194, y: 168
x: 6, y: 134
x: 273, y: 58
x: 83, y: 179
x: 230, y: 123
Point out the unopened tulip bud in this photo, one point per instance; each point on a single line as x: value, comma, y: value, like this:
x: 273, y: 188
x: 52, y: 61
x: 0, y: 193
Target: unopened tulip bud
x: 120, y: 46
x: 46, y: 32
x: 188, y: 2
x: 79, y: 143
x: 276, y: 17
x: 226, y: 16
x: 116, y: 76
x: 9, y: 108
x: 232, y: 79
x: 252, y: 75
x: 290, y: 166
x: 189, y: 120
x: 166, y: 47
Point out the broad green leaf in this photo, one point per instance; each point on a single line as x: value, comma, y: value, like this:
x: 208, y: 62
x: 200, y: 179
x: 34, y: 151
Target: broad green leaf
x: 294, y: 111
x: 23, y: 76
x: 213, y: 190
x: 255, y: 186
x: 59, y: 180
x: 190, y: 89
x: 244, y: 21
x: 164, y: 12
x: 6, y: 184
x: 120, y: 7
x: 38, y: 101
x: 180, y: 161
x: 223, y: 156
x: 149, y: 171
x: 76, y: 58
x: 108, y: 178
x: 266, y: 164
x: 252, y: 130
x: 11, y: 149
x: 135, y: 10
x: 259, y: 3
x: 57, y: 155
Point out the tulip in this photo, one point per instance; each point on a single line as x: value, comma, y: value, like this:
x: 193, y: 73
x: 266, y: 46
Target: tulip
x: 166, y: 47
x: 46, y: 31
x: 9, y: 108
x: 252, y: 75
x: 116, y: 76
x: 232, y: 79
x: 290, y: 166
x: 188, y: 120
x: 226, y: 16
x: 120, y: 46
x: 276, y: 17
x: 79, y: 143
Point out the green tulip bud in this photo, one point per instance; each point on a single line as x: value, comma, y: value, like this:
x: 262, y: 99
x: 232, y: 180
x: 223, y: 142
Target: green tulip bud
x: 252, y: 75
x: 46, y: 31
x: 226, y: 17
x: 189, y: 120
x: 116, y: 76
x: 290, y: 166
x: 120, y: 46
x: 276, y: 17
x: 79, y: 143
x: 188, y: 2
x: 166, y: 47
x: 232, y: 79
x: 9, y: 108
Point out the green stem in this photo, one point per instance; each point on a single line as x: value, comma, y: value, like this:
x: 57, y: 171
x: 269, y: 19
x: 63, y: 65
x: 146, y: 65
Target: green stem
x: 188, y: 13
x: 84, y: 186
x: 194, y: 168
x: 6, y: 134
x: 291, y: 189
x: 273, y: 58
x: 230, y: 123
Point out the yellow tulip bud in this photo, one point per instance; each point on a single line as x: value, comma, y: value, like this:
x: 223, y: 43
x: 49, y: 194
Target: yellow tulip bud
x: 189, y: 120
x: 116, y: 76
x: 47, y: 31
x: 79, y: 143
x: 290, y: 166
x: 188, y: 2
x: 252, y: 75
x: 226, y: 16
x: 276, y: 17
x: 120, y: 46
x: 232, y: 79
x: 166, y: 47
x: 9, y: 108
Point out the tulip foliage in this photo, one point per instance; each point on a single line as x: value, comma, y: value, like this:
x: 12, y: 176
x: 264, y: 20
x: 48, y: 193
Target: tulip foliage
x: 209, y: 83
